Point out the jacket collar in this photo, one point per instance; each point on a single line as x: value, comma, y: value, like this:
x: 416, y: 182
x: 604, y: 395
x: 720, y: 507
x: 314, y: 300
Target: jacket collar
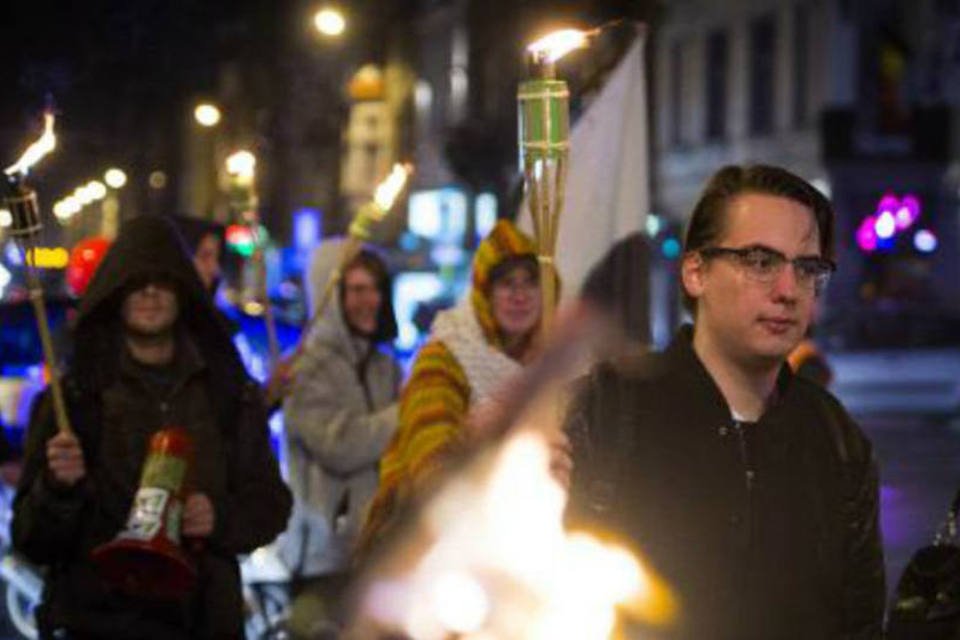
x: 684, y: 363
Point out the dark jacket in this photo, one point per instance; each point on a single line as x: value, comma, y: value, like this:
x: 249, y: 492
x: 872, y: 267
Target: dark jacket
x: 115, y: 405
x: 763, y: 530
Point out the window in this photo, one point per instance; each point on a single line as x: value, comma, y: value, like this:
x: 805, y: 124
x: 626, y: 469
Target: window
x: 716, y: 89
x: 763, y: 32
x: 801, y: 61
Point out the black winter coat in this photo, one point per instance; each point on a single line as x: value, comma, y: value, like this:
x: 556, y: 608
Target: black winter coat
x: 764, y: 530
x: 115, y: 406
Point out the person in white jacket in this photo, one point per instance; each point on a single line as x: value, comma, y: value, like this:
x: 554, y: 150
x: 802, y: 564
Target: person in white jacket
x: 340, y: 415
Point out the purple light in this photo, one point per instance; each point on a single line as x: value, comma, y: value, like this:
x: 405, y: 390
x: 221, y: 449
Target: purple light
x: 867, y: 235
x: 885, y: 226
x: 888, y: 202
x: 907, y: 212
x: 925, y: 241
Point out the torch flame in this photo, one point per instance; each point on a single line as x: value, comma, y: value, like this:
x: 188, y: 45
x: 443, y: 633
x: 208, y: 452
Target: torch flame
x: 388, y: 190
x: 499, y: 564
x: 554, y: 46
x: 36, y: 151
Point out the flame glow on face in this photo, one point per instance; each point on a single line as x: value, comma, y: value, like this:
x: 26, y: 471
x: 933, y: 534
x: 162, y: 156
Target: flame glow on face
x: 499, y: 563
x: 388, y: 190
x: 46, y: 143
x: 555, y: 45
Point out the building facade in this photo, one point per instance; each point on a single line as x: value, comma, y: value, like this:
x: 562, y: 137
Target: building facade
x: 856, y: 97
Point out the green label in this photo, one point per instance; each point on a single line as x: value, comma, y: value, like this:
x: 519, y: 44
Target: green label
x: 164, y: 472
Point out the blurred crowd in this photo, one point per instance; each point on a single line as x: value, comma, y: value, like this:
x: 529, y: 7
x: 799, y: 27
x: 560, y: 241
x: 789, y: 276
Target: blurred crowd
x: 723, y: 459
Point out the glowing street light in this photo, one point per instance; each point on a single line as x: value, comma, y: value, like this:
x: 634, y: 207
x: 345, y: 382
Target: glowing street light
x: 329, y: 22
x: 206, y: 114
x: 241, y: 166
x: 115, y: 178
x: 97, y: 190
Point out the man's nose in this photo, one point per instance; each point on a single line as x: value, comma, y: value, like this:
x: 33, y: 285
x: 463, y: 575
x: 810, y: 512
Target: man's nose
x: 786, y: 285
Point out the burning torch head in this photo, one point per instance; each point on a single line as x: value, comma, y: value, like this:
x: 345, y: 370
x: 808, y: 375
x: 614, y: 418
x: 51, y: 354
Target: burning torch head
x: 21, y: 200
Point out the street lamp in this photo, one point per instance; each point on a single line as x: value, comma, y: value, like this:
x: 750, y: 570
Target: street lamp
x: 329, y: 21
x: 115, y: 178
x: 206, y: 114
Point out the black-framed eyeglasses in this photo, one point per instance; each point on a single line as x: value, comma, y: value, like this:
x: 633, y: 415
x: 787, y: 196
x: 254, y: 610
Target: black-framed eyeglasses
x: 765, y: 265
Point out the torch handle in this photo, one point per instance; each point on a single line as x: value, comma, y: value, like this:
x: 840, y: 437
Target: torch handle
x: 268, y: 318
x: 548, y: 293
x: 40, y: 312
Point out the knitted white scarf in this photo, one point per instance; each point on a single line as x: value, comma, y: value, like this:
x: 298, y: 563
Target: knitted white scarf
x: 486, y: 367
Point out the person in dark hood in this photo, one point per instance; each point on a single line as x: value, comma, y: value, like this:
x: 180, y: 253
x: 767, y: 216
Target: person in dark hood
x: 149, y: 353
x: 340, y: 415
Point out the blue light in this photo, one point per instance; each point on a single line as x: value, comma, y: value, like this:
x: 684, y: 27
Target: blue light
x: 439, y: 215
x: 306, y: 228
x: 12, y: 254
x: 409, y: 290
x: 486, y: 211
x: 925, y: 241
x: 409, y: 242
x: 670, y: 248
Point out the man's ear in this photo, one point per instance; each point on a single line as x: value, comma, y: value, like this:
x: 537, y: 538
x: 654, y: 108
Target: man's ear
x: 692, y: 272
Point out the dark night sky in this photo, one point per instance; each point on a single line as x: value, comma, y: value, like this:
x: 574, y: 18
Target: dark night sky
x: 119, y: 73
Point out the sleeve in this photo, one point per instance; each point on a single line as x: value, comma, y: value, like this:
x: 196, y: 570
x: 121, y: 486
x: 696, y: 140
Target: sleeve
x: 46, y: 519
x: 343, y: 438
x: 588, y: 491
x: 258, y: 503
x: 433, y: 407
x: 864, y: 582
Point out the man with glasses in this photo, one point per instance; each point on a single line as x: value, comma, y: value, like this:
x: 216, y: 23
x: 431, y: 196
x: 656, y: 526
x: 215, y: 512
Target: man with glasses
x: 750, y: 490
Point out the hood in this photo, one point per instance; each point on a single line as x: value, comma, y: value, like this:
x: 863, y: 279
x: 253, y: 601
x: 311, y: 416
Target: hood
x: 332, y: 328
x: 504, y: 241
x: 147, y: 245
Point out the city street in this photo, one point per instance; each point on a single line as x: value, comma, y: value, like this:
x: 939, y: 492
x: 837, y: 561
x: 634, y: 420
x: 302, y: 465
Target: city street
x: 919, y: 473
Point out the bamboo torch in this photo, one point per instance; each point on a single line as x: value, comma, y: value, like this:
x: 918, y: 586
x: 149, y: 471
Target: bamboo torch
x: 384, y: 197
x: 21, y: 200
x: 544, y: 128
x: 241, y: 169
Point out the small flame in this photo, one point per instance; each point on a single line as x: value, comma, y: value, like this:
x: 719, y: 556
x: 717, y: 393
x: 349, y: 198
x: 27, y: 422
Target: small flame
x: 242, y: 165
x: 388, y: 190
x: 554, y: 46
x: 46, y: 143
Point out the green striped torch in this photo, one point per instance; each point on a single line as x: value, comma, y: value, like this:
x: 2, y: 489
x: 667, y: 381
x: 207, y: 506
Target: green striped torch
x: 543, y: 104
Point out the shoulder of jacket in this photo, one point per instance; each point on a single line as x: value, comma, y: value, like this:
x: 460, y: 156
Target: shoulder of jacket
x: 635, y: 369
x: 849, y: 439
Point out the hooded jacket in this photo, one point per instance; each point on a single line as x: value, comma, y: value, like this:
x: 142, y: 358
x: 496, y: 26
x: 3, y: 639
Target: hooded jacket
x: 461, y: 364
x: 340, y: 415
x: 115, y: 405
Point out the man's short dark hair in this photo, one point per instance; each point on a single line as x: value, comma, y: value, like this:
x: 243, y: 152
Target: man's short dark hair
x: 708, y: 220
